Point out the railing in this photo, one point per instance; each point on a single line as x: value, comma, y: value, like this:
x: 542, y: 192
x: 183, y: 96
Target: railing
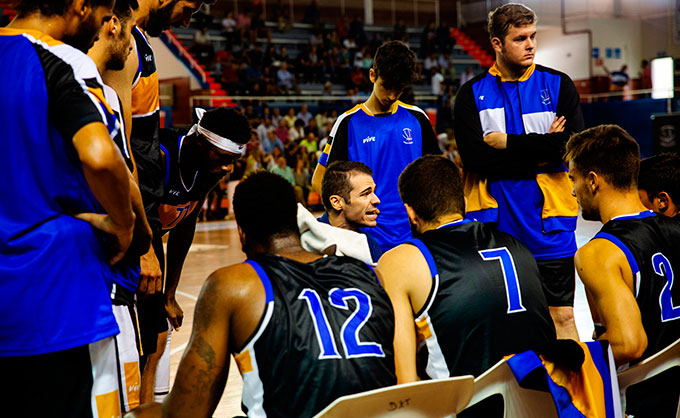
x: 306, y: 98
x: 182, y: 51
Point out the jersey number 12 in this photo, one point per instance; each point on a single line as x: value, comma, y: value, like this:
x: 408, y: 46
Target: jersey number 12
x: 349, y: 333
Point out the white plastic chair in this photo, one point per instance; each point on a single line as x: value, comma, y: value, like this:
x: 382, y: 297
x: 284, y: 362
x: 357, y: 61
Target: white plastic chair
x: 663, y: 360
x: 427, y: 399
x: 519, y: 402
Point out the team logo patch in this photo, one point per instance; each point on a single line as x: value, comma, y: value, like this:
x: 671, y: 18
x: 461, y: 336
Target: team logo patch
x: 545, y: 97
x: 408, y: 138
x: 369, y: 139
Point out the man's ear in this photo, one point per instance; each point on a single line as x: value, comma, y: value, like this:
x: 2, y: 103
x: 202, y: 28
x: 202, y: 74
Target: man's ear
x: 80, y: 7
x: 241, y: 236
x: 593, y: 181
x: 497, y: 44
x: 337, y: 202
x: 662, y: 201
x: 371, y: 75
x: 412, y: 217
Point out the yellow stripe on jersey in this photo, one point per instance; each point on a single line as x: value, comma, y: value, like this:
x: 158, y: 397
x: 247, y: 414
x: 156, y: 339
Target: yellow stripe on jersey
x: 556, y: 189
x: 477, y: 193
x: 132, y: 383
x: 357, y: 107
x: 108, y: 405
x: 424, y: 330
x: 145, y: 95
x: 99, y: 94
x: 244, y: 362
x: 50, y: 41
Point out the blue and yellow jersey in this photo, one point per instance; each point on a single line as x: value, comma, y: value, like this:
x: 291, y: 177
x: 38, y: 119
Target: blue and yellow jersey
x: 524, y: 188
x: 589, y: 392
x: 56, y: 281
x: 386, y: 143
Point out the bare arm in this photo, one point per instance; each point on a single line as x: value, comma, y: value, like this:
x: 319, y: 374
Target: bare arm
x: 179, y: 242
x: 228, y: 311
x: 407, y: 280
x: 106, y: 174
x: 608, y: 279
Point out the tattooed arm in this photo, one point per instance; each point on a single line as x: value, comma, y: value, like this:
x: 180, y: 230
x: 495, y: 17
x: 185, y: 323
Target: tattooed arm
x: 227, y: 312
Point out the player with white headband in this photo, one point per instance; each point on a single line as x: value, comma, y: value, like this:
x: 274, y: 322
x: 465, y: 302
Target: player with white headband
x: 194, y: 162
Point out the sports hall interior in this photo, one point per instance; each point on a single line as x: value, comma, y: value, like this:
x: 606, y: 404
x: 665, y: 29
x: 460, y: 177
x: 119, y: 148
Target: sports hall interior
x: 328, y: 44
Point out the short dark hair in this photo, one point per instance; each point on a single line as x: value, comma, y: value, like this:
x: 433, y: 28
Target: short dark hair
x: 432, y: 186
x: 264, y: 207
x: 52, y: 7
x: 507, y: 15
x: 395, y: 63
x: 336, y: 180
x: 123, y: 8
x: 661, y: 173
x: 227, y: 123
x: 609, y: 151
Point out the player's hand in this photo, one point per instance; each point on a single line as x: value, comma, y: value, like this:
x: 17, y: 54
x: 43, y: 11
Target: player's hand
x: 498, y: 140
x: 151, y: 278
x: 174, y: 311
x: 121, y: 236
x: 557, y: 125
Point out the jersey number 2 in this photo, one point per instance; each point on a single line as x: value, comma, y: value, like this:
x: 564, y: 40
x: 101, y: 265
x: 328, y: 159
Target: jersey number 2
x: 349, y: 333
x: 509, y: 276
x: 663, y: 268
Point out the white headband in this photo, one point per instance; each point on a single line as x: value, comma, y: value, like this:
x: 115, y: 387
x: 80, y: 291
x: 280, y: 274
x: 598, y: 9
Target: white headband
x: 218, y: 141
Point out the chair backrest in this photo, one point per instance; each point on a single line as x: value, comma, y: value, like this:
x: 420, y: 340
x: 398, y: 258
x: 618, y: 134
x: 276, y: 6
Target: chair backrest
x: 431, y: 399
x: 519, y: 402
x: 663, y: 360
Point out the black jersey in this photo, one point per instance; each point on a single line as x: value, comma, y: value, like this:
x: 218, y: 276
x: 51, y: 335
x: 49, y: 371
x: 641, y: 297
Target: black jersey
x: 181, y: 195
x: 326, y: 331
x: 486, y: 300
x: 145, y: 126
x: 651, y: 245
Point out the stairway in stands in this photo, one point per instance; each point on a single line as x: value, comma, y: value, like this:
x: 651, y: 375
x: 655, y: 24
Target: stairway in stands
x: 198, y: 70
x: 472, y: 48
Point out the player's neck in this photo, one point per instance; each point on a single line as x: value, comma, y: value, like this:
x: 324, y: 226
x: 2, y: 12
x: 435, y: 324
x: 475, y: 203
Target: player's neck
x: 53, y: 26
x: 96, y: 53
x: 620, y: 203
x: 442, y: 220
x: 142, y: 14
x: 289, y: 246
x: 509, y: 72
x: 374, y: 106
x: 338, y: 220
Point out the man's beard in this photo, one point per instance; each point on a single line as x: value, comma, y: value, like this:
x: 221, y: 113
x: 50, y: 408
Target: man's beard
x: 118, y: 55
x: 159, y: 20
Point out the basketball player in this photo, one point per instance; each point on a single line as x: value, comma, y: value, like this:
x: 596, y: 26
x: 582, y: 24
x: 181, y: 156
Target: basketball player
x: 152, y: 17
x: 304, y: 329
x: 627, y: 268
x: 659, y: 184
x: 511, y: 124
x: 386, y: 135
x: 476, y: 292
x: 61, y: 169
x: 348, y: 193
x: 109, y: 53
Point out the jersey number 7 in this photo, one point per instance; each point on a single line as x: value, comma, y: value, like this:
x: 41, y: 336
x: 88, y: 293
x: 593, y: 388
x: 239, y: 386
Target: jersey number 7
x: 349, y: 333
x: 512, y: 290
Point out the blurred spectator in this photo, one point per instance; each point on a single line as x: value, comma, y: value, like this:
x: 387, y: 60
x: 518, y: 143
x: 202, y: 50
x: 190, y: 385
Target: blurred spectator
x: 359, y: 79
x: 645, y: 75
x: 356, y: 30
x: 271, y: 142
x: 297, y: 132
x: 310, y: 142
x: 436, y: 81
x: 258, y: 29
x: 427, y: 40
x: 312, y: 14
x: 350, y: 43
x: 618, y: 79
x: 304, y: 114
x: 467, y: 75
x: 276, y: 116
x: 341, y: 27
x: 430, y: 62
x: 202, y: 47
x: 282, y: 130
x: 301, y: 174
x: 312, y: 128
x: 256, y: 55
x: 285, y: 80
x: 283, y: 170
x: 290, y: 117
x: 263, y: 129
x: 399, y: 33
x: 444, y: 40
x: 228, y: 28
x: 254, y: 161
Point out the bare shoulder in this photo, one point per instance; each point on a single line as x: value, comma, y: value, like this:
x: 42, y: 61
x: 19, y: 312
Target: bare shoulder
x: 601, y: 258
x: 403, y: 261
